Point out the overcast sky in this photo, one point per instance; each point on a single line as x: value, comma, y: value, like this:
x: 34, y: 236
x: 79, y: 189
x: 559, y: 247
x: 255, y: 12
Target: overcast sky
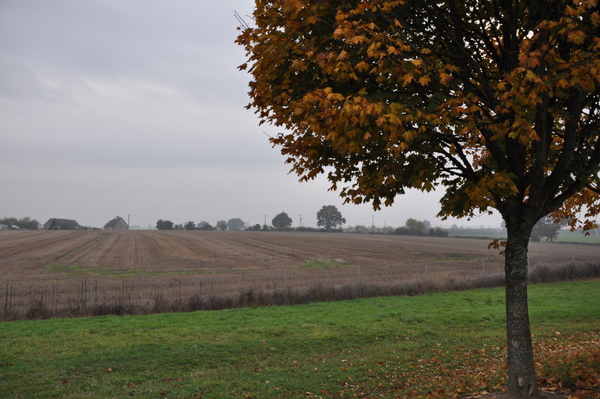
x: 136, y: 108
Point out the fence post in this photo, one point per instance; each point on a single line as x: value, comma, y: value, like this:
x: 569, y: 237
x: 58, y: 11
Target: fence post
x: 91, y: 292
x: 359, y: 281
x: 483, y: 266
x: 285, y: 289
x: 426, y: 277
x: 197, y: 286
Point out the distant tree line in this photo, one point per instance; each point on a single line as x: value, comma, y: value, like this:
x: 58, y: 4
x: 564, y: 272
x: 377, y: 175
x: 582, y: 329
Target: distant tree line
x: 231, y: 224
x: 329, y: 218
x: 546, y: 228
x: 25, y: 223
x: 414, y: 227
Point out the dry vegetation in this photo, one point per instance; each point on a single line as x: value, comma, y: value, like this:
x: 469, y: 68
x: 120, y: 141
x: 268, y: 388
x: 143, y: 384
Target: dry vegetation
x: 76, y: 273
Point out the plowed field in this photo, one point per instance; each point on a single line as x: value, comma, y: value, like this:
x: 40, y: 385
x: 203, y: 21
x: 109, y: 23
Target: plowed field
x: 27, y: 255
x: 62, y: 268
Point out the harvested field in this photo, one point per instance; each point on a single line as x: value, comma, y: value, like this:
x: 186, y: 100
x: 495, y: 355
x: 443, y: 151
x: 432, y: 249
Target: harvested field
x: 70, y: 273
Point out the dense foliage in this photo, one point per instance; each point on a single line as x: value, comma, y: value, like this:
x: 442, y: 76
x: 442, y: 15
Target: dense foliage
x: 282, y: 221
x: 497, y: 102
x: 329, y: 217
x: 25, y: 223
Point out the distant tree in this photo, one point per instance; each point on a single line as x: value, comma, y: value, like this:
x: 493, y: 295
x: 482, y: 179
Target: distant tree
x: 361, y: 229
x: 438, y: 232
x: 329, y: 217
x: 190, y: 226
x: 221, y: 225
x: 282, y: 221
x: 416, y: 227
x: 205, y: 226
x: 164, y: 224
x: 27, y: 223
x: 256, y: 227
x: 8, y: 223
x: 546, y: 227
x: 235, y: 224
x: 427, y: 225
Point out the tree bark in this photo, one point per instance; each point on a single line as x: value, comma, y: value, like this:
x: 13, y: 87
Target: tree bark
x: 522, y: 378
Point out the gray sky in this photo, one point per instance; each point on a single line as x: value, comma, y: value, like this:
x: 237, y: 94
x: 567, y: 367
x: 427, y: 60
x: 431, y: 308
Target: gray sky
x: 112, y: 107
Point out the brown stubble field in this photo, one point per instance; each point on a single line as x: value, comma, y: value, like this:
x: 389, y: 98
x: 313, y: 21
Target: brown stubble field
x: 63, y: 273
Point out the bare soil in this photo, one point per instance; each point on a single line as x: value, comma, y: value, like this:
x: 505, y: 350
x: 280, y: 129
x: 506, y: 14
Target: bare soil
x: 25, y: 255
x: 47, y: 273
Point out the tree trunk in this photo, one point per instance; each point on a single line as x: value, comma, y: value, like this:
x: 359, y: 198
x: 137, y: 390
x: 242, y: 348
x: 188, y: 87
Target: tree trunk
x: 521, y: 367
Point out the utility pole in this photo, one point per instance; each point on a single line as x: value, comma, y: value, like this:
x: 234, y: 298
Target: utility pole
x: 300, y: 220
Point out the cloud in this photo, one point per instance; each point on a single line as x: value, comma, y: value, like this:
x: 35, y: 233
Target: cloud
x: 137, y: 107
x: 188, y: 45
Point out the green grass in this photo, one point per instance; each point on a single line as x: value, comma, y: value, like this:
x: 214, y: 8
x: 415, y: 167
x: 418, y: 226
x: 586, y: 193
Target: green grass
x: 561, y: 238
x: 323, y: 264
x: 90, y: 271
x: 87, y: 271
x: 578, y: 239
x: 406, y: 346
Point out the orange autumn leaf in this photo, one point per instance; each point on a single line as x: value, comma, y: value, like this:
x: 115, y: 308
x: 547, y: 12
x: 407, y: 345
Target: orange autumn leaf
x: 494, y: 103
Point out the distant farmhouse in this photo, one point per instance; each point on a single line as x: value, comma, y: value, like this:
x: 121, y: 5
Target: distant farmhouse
x: 116, y: 224
x: 61, y: 224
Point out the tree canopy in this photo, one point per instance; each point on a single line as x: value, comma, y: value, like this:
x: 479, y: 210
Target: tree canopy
x: 495, y: 102
x: 25, y: 223
x: 282, y: 221
x: 330, y: 217
x: 164, y: 224
x: 235, y: 224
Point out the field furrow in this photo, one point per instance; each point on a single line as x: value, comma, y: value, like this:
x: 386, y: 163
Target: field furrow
x: 49, y: 273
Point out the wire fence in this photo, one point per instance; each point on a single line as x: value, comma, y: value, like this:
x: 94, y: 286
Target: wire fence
x: 205, y: 290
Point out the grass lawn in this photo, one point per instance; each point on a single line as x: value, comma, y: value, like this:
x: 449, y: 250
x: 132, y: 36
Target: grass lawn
x: 441, y: 345
x: 578, y: 239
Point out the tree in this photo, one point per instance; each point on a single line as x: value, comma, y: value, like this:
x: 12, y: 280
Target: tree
x: 221, y: 225
x: 438, y: 232
x: 496, y: 102
x: 546, y: 227
x: 190, y: 226
x: 28, y: 223
x: 8, y: 223
x: 164, y: 224
x: 256, y: 227
x: 203, y: 225
x: 282, y: 221
x: 329, y: 217
x: 416, y: 227
x: 235, y: 224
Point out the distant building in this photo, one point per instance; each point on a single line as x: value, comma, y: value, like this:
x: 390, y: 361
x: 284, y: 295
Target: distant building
x: 116, y: 224
x: 61, y: 224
